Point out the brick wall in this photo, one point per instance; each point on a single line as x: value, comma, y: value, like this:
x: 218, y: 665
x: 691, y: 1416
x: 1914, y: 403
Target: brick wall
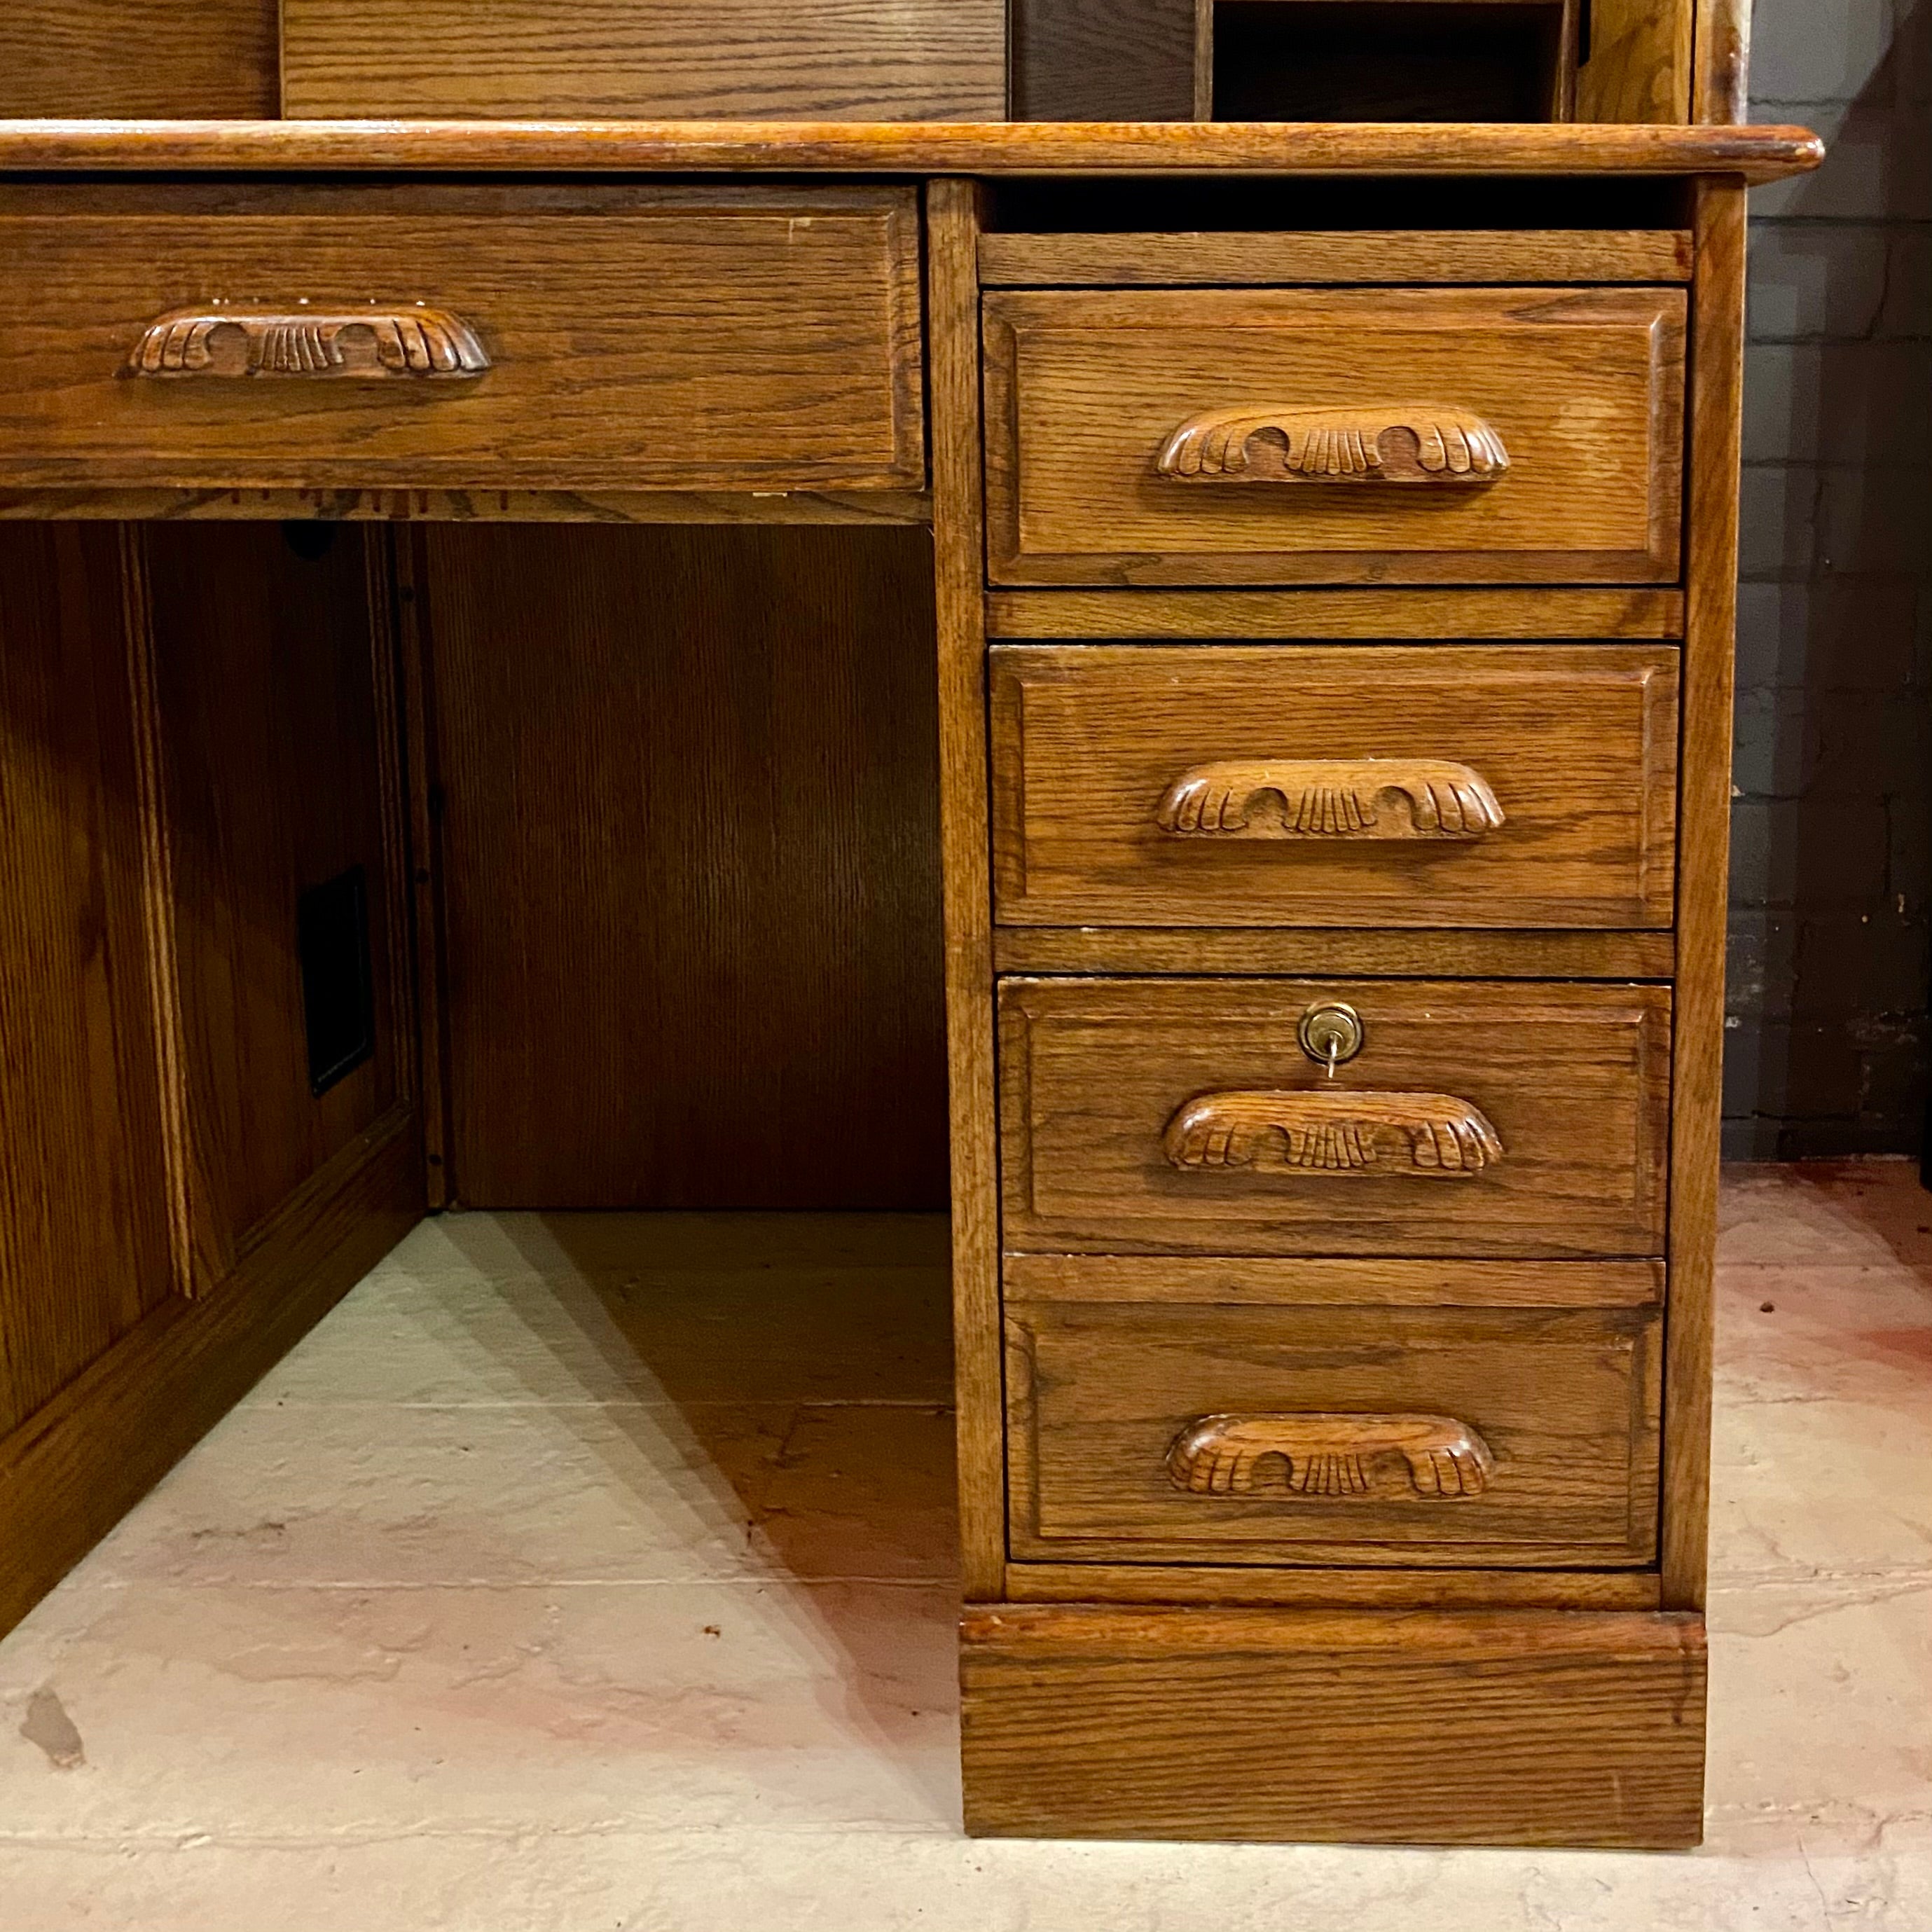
x: 1831, y: 862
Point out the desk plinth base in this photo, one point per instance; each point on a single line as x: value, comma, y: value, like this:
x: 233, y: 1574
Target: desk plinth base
x: 1579, y: 1728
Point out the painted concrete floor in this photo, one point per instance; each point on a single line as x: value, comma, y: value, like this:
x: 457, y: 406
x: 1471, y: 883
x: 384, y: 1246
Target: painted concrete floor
x: 587, y: 1572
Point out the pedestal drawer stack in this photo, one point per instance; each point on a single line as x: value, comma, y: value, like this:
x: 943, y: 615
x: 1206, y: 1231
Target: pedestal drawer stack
x: 1335, y: 816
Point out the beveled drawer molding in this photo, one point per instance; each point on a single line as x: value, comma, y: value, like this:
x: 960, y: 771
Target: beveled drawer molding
x: 1384, y: 1436
x: 689, y: 339
x: 1571, y: 1081
x: 1274, y: 785
x: 1086, y: 389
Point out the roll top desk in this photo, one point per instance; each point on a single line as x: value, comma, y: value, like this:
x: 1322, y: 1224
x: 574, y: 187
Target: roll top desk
x: 1310, y: 552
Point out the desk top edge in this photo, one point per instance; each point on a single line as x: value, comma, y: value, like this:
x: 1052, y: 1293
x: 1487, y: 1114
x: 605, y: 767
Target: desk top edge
x: 1754, y: 153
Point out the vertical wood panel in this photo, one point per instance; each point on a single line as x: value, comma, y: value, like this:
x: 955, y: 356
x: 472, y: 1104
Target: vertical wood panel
x: 1639, y: 63
x: 1717, y: 298
x: 959, y: 540
x: 1722, y: 94
x: 83, y: 1235
x: 263, y: 646
x: 690, y: 865
x: 214, y: 59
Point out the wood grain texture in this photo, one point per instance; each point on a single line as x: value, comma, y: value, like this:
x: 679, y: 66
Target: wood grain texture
x: 1225, y: 1585
x: 953, y: 220
x: 1112, y: 1406
x: 1262, y: 1283
x: 68, y: 1474
x: 466, y: 506
x: 160, y: 908
x: 396, y: 559
x: 1255, y: 616
x: 105, y: 58
x: 753, y: 338
x: 85, y: 1252
x: 1720, y: 88
x: 1575, y: 1079
x: 1639, y: 65
x: 1504, y: 955
x: 690, y: 865
x: 1752, y: 154
x: 272, y: 731
x: 1697, y: 1081
x: 1104, y: 60
x: 566, y: 60
x: 1086, y: 388
x: 1097, y: 748
x: 1319, y: 257
x: 1479, y: 1727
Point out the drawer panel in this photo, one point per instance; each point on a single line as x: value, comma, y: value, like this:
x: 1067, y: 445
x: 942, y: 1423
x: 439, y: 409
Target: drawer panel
x: 1184, y: 1116
x: 1366, y: 785
x: 538, y: 338
x: 1421, y: 435
x: 1340, y: 1435
x: 667, y: 60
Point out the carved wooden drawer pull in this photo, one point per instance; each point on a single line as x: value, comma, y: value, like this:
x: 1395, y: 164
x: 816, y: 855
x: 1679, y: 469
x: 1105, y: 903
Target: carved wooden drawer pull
x: 1331, y: 798
x: 1445, y: 1460
x: 351, y: 342
x: 1330, y: 1132
x: 1336, y: 445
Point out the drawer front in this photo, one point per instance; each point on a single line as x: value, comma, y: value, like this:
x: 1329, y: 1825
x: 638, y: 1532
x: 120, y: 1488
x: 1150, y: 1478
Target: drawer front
x: 538, y: 338
x: 1420, y: 435
x: 1362, y: 786
x: 1366, y: 1435
x: 1184, y: 1116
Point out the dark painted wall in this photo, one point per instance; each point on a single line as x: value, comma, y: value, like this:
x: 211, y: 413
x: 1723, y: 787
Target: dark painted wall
x: 1831, y: 865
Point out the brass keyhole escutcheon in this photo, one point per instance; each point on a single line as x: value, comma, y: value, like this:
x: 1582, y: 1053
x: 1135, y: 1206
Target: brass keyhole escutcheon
x: 1330, y: 1033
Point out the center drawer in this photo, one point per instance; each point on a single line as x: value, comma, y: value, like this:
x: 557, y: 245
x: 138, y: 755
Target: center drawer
x: 1365, y: 785
x: 1186, y: 1116
x: 1353, y: 436
x: 526, y: 336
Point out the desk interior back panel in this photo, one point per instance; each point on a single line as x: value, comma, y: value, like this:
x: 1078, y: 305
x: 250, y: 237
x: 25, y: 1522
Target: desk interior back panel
x: 1103, y: 60
x: 263, y: 650
x: 213, y: 59
x: 690, y: 865
x: 83, y: 1236
x: 859, y: 60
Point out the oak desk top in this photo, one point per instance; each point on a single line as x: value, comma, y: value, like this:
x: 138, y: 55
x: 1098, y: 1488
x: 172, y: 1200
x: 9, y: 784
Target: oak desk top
x: 1754, y: 155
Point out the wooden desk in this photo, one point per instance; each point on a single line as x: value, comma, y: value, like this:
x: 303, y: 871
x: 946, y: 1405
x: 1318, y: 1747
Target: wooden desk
x: 1331, y: 584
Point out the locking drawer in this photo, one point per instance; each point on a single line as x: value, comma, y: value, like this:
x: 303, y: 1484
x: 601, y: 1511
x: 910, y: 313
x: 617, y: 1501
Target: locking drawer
x: 1187, y: 1117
